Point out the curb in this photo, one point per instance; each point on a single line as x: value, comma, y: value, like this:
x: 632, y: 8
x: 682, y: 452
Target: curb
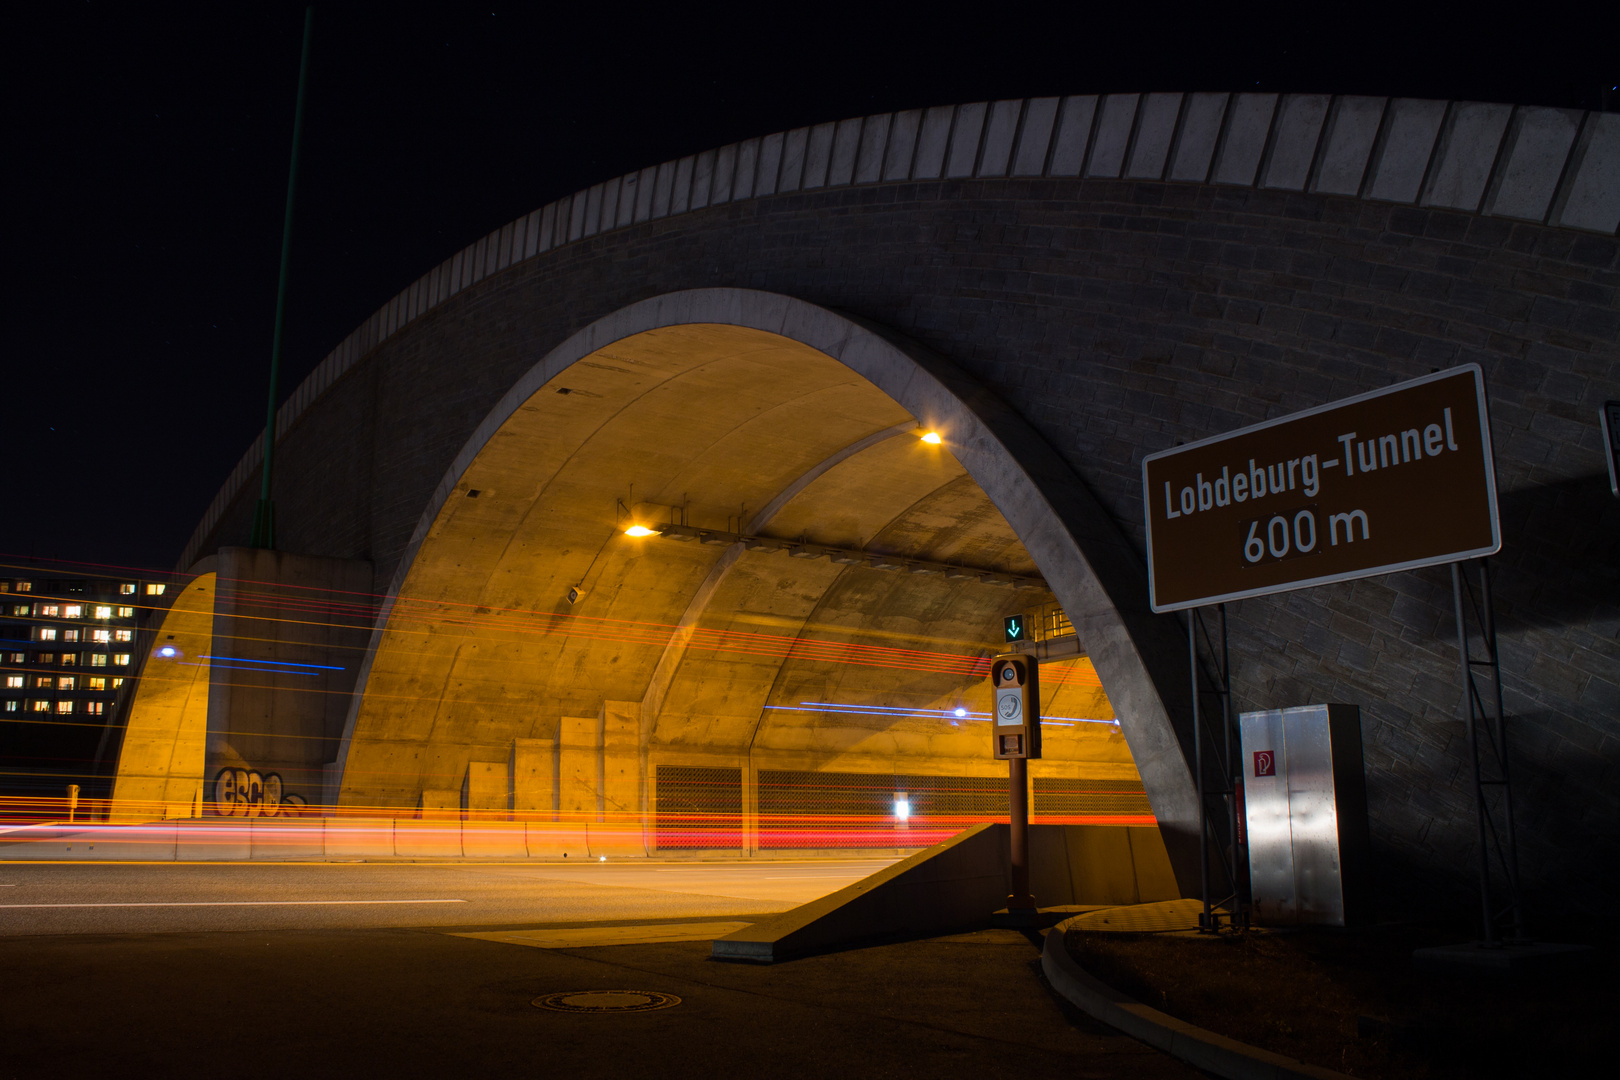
x: 1197, y: 1047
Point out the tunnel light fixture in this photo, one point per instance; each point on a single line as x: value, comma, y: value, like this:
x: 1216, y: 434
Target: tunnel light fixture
x: 638, y: 530
x: 932, y: 438
x: 902, y: 807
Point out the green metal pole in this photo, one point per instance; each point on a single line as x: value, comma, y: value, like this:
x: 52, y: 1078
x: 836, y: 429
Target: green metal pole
x: 264, y: 515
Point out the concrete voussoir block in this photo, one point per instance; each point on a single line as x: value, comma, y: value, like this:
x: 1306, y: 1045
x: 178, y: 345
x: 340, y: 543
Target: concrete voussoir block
x: 1035, y: 136
x: 846, y: 145
x: 1155, y: 131
x: 933, y: 140
x: 818, y: 156
x: 1243, y: 140
x: 1294, y: 141
x: 1198, y: 134
x: 1468, y: 145
x: 870, y: 152
x: 1112, y: 135
x: 794, y: 145
x: 770, y: 164
x: 1532, y: 160
x: 1405, y: 146
x: 963, y: 153
x: 901, y: 145
x: 999, y: 133
x: 1590, y: 195
x: 1073, y: 136
x: 702, y: 180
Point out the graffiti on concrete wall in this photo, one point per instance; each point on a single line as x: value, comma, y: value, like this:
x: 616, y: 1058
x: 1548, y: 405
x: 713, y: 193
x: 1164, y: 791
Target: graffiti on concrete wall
x: 246, y: 793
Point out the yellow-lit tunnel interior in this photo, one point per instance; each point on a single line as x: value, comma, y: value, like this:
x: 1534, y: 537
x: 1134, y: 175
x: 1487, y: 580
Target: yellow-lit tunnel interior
x: 803, y: 654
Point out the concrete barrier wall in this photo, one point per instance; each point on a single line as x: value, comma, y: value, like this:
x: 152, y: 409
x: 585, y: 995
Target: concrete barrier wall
x: 959, y: 883
x: 321, y: 839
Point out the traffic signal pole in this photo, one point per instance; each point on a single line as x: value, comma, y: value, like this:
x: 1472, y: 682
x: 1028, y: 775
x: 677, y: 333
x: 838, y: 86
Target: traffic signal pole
x: 1018, y: 784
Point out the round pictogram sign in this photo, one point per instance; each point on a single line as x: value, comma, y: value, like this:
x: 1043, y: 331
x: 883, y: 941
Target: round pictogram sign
x: 605, y: 1001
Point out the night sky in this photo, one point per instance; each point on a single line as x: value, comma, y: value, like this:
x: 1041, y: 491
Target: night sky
x: 147, y: 148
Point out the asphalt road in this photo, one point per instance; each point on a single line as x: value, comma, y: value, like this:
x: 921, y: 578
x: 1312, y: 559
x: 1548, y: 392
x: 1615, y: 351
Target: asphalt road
x: 406, y: 970
x: 112, y: 898
x: 406, y: 1003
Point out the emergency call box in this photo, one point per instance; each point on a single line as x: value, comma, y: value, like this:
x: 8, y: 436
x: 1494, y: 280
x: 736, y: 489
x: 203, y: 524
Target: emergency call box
x: 1015, y: 721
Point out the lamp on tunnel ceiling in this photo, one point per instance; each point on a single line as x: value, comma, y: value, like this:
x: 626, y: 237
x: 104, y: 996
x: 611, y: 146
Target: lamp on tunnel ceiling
x: 931, y: 438
x: 639, y: 530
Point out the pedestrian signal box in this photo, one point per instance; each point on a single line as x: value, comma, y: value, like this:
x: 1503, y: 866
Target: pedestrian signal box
x: 1016, y: 724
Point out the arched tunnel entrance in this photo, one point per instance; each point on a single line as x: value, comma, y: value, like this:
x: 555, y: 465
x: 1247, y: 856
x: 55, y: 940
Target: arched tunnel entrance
x: 796, y: 638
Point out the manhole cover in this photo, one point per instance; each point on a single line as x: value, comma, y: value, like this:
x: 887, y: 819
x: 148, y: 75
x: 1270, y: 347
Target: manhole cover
x: 605, y: 1001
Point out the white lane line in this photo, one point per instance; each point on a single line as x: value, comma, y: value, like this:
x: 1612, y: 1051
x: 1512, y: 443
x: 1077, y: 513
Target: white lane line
x: 236, y: 903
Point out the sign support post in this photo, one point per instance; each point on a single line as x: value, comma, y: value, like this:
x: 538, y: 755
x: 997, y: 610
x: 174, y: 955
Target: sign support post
x: 1226, y: 765
x: 1482, y: 715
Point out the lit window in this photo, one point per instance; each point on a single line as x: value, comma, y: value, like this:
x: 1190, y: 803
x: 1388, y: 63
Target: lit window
x: 98, y: 659
x: 44, y: 681
x: 123, y: 635
x: 101, y: 636
x: 126, y: 613
x: 65, y: 682
x: 64, y: 706
x: 95, y: 682
x: 5, y: 586
x: 73, y: 611
x: 117, y: 683
x: 127, y: 588
x: 20, y: 609
x: 42, y: 706
x: 14, y: 682
x: 70, y: 659
x: 25, y: 586
x: 11, y: 705
x: 44, y: 658
x: 16, y: 658
x: 44, y: 633
x: 51, y: 610
x: 94, y: 708
x: 155, y: 590
x: 103, y: 611
x: 121, y: 659
x: 70, y: 635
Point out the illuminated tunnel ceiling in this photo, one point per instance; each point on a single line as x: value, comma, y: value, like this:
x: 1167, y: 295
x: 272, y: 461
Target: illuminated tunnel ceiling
x: 740, y: 430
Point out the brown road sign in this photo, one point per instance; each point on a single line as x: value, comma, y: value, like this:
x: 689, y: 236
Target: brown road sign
x: 1385, y: 481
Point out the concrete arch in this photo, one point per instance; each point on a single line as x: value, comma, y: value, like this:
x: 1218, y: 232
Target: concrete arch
x: 1560, y: 167
x: 1089, y: 566
x: 161, y: 757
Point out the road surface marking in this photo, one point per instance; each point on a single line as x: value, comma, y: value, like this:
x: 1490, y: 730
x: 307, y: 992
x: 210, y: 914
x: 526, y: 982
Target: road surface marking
x: 583, y: 936
x: 235, y: 903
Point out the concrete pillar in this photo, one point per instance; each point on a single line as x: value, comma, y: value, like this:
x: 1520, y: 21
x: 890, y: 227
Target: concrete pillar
x: 532, y: 770
x: 579, y: 768
x: 621, y: 762
x: 750, y: 807
x: 484, y: 790
x: 439, y: 805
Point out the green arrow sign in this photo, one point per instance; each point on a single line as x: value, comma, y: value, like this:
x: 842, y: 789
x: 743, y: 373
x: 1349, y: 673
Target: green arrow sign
x: 1016, y: 628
